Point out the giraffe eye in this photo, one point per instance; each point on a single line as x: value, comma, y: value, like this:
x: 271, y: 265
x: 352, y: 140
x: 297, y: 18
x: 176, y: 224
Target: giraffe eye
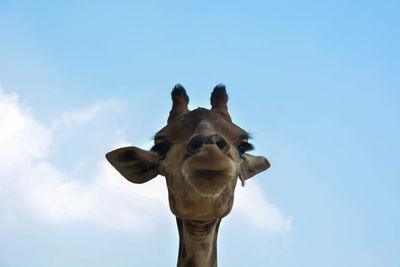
x: 162, y: 149
x: 243, y: 147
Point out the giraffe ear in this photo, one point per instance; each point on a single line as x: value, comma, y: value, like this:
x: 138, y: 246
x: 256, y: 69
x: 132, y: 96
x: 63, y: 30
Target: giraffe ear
x: 252, y: 165
x: 135, y: 164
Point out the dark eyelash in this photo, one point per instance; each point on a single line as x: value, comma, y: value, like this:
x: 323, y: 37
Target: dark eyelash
x: 162, y: 149
x: 244, y: 146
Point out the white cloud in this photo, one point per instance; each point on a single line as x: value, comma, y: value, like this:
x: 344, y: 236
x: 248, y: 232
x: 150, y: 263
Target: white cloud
x: 21, y: 137
x: 252, y: 206
x: 30, y: 185
x: 85, y: 114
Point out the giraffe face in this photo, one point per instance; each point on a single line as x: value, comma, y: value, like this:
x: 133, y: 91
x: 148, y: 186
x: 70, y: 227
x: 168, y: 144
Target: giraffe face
x: 202, y: 163
x: 201, y: 153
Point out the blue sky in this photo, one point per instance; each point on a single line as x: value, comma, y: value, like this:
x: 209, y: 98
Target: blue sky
x: 317, y: 84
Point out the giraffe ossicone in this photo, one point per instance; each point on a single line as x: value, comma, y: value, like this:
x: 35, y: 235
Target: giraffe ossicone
x: 202, y: 154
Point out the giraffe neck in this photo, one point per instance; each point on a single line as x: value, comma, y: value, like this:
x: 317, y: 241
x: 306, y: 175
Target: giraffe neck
x: 197, y: 243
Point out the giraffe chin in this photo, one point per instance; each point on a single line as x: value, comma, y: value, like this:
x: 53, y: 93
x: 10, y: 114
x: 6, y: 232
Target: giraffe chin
x: 209, y: 183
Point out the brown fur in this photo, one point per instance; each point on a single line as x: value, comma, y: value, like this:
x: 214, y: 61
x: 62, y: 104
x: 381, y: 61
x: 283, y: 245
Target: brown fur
x: 200, y: 154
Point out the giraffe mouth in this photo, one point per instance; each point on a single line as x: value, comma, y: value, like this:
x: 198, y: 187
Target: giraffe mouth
x: 209, y: 182
x: 208, y: 165
x: 214, y: 173
x: 208, y: 174
x: 209, y: 171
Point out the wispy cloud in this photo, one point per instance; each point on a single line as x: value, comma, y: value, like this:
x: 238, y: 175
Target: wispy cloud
x: 252, y: 206
x: 85, y: 114
x: 32, y: 186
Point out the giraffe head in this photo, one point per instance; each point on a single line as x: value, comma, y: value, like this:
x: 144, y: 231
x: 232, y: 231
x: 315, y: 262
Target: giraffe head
x: 200, y: 152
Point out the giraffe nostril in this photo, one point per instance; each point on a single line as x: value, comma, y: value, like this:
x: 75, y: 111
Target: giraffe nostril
x: 194, y: 145
x: 221, y: 144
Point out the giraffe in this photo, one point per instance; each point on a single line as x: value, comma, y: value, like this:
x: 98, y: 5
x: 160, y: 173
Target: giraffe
x: 202, y: 154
